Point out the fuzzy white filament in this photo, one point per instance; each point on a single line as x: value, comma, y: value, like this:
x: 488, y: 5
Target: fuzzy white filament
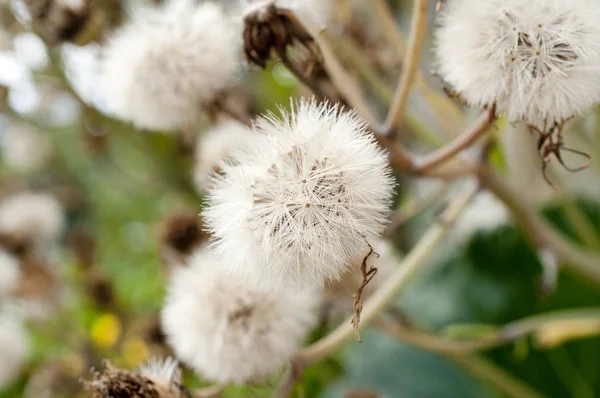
x: 537, y: 60
x: 299, y: 206
x: 228, y: 331
x: 169, y: 62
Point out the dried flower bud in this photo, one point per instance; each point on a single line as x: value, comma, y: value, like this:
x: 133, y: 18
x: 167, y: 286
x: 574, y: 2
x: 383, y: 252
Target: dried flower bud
x: 156, y: 379
x: 180, y: 234
x: 59, y: 20
x: 268, y: 28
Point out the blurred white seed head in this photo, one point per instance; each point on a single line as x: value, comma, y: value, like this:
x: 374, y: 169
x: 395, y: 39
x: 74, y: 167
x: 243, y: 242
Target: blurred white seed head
x: 10, y: 274
x: 538, y: 60
x: 484, y: 213
x: 339, y: 293
x: 214, y: 147
x: 24, y: 149
x: 31, y: 216
x: 14, y: 348
x: 228, y: 331
x: 168, y: 63
x: 299, y: 205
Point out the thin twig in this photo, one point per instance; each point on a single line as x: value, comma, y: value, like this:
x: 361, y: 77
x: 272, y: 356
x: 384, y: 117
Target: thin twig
x: 475, y: 131
x: 358, y: 301
x: 506, y: 334
x: 211, y: 391
x: 302, y: 77
x: 291, y: 376
x: 345, y: 84
x: 495, y: 375
x: 395, y: 116
x: 412, y: 208
x: 573, y: 257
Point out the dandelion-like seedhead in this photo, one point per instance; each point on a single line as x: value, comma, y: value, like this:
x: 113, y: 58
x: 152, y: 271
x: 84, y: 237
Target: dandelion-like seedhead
x: 537, y: 60
x: 299, y: 205
x: 228, y: 331
x: 24, y: 149
x: 10, y: 273
x: 214, y: 147
x: 14, y: 348
x: 169, y: 63
x: 31, y: 216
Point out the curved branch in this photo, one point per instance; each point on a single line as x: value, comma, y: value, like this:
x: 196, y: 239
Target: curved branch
x: 395, y: 116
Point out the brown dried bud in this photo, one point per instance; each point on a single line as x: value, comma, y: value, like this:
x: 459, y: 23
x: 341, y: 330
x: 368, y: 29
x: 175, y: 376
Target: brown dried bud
x: 269, y: 28
x: 179, y: 235
x: 58, y: 20
x: 120, y: 383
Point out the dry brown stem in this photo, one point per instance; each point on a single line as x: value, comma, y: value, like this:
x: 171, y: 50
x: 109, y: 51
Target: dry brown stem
x: 358, y: 299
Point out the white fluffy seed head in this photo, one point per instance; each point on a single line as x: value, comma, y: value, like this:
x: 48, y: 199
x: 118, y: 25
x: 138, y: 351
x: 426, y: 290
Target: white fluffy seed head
x: 10, y: 274
x: 299, y: 205
x: 31, y: 216
x: 14, y: 349
x: 484, y: 213
x: 161, y: 69
x: 214, y: 147
x: 538, y: 60
x: 23, y: 148
x: 227, y: 331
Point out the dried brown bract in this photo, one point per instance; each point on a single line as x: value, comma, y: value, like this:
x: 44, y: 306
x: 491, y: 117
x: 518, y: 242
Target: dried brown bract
x: 58, y: 20
x: 120, y: 383
x: 551, y: 143
x: 269, y: 29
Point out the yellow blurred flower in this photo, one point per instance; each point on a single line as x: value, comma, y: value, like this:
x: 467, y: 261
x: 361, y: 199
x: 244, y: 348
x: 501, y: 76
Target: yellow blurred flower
x: 106, y: 330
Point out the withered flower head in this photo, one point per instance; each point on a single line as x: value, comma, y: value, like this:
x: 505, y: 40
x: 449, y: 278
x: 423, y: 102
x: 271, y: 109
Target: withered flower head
x: 59, y: 20
x: 269, y: 28
x: 121, y: 383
